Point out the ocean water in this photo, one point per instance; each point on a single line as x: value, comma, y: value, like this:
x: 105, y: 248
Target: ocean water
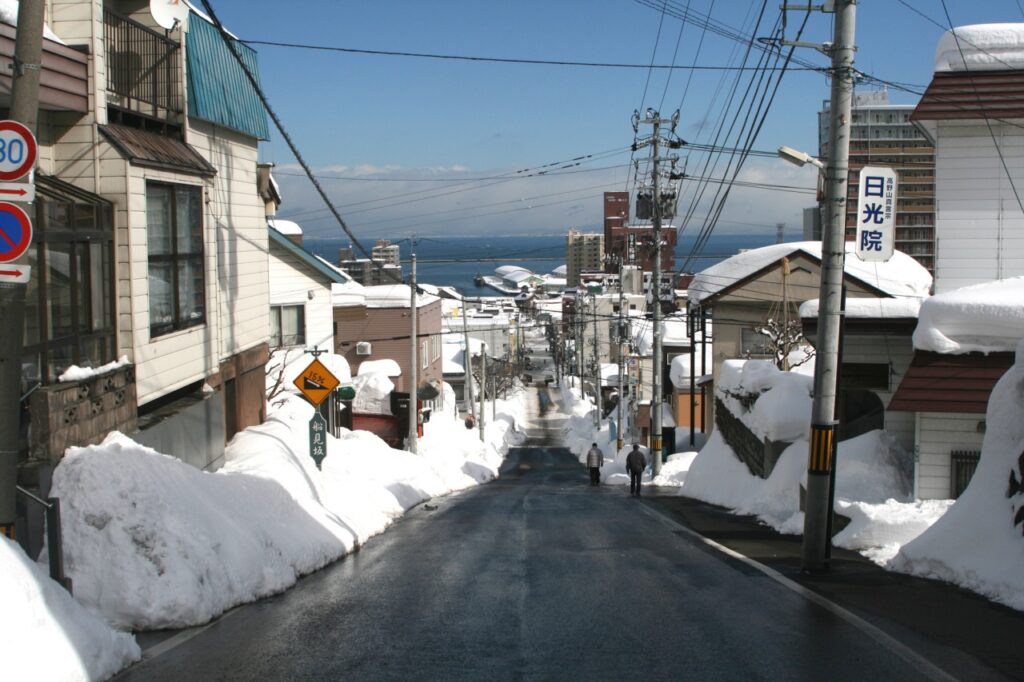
x: 456, y: 261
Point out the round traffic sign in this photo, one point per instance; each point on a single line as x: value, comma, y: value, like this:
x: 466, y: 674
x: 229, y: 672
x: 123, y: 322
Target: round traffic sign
x: 15, y: 231
x: 17, y: 150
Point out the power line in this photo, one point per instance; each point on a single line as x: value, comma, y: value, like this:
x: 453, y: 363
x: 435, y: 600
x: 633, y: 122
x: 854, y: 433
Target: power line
x: 500, y: 60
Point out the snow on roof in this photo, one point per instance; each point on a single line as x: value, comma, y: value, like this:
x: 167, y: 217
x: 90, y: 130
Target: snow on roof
x: 504, y: 270
x: 394, y: 296
x: 76, y: 373
x: 385, y: 366
x: 986, y: 318
x: 679, y: 371
x: 673, y: 330
x: 981, y: 47
x: 870, y: 308
x: 348, y: 277
x: 901, y: 275
x: 286, y: 227
x: 561, y: 271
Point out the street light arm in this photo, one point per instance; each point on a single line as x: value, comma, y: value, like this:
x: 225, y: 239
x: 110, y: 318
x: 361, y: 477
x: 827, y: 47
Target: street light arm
x: 799, y: 158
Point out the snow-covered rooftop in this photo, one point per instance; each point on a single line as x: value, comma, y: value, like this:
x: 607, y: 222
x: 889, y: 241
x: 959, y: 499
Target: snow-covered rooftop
x: 394, y: 296
x: 986, y: 318
x: 901, y: 275
x: 505, y: 270
x: 870, y: 308
x: 384, y: 366
x: 285, y: 227
x: 981, y: 47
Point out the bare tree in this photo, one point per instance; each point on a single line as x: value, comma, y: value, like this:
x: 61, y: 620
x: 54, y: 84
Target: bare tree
x: 784, y: 341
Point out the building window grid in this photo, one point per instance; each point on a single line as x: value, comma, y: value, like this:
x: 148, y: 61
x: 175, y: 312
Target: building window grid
x: 177, y: 278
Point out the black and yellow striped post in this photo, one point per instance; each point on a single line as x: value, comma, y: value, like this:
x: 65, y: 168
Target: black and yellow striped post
x: 822, y: 442
x: 817, y: 504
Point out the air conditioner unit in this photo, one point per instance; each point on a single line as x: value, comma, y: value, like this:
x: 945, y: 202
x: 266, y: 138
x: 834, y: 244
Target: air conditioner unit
x: 364, y: 348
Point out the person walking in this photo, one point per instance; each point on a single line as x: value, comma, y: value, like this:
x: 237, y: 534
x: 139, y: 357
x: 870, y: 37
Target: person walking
x: 635, y: 465
x: 595, y: 460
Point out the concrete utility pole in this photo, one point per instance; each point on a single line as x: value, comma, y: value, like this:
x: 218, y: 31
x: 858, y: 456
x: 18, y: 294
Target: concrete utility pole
x: 483, y: 388
x: 833, y: 254
x: 597, y: 365
x: 620, y: 337
x: 28, y: 51
x: 467, y: 357
x: 654, y: 118
x: 413, y: 347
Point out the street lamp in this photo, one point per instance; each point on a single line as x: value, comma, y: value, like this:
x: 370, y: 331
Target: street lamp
x: 799, y: 158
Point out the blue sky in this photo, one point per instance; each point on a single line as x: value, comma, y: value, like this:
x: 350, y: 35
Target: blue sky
x: 402, y: 124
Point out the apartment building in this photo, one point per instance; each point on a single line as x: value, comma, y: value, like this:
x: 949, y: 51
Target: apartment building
x: 584, y: 252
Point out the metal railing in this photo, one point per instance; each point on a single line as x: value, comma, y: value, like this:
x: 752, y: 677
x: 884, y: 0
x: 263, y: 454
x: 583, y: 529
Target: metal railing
x: 54, y: 542
x: 143, y: 67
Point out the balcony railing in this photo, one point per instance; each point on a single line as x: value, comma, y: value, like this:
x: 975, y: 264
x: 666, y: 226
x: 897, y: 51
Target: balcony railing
x: 143, y: 68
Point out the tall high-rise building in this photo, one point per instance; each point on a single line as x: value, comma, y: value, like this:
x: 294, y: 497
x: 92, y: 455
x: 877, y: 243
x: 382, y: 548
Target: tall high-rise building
x: 881, y: 134
x: 584, y: 252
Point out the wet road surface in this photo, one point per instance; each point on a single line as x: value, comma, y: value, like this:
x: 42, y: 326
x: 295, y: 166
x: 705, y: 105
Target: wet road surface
x: 534, y: 576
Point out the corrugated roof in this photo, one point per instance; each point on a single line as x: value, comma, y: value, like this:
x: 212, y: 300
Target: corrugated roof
x: 972, y: 95
x: 218, y: 90
x: 936, y: 382
x: 152, y: 150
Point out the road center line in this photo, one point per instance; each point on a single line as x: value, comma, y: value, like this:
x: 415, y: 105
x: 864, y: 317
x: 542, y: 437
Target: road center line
x: 923, y: 665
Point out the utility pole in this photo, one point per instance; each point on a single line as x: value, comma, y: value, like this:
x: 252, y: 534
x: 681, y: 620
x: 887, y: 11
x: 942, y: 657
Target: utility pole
x: 483, y: 388
x: 28, y: 50
x: 413, y: 370
x: 620, y: 338
x: 597, y: 365
x: 467, y: 393
x: 833, y: 255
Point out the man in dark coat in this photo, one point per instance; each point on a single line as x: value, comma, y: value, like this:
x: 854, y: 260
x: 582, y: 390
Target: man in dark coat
x: 635, y: 465
x: 595, y: 460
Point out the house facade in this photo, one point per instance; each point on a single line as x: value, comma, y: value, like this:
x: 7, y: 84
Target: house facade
x: 152, y: 244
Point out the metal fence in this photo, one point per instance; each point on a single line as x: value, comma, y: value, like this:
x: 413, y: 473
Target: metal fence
x: 143, y: 67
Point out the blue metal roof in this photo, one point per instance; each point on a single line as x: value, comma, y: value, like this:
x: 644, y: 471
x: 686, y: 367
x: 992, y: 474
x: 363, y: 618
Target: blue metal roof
x: 218, y: 90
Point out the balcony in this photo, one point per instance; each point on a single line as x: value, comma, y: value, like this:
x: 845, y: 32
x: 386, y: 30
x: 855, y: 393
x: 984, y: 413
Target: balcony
x: 143, y: 69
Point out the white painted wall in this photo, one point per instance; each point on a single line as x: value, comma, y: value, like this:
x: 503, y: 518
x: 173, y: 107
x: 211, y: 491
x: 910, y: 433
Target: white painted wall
x: 979, y: 222
x: 941, y: 433
x: 291, y: 283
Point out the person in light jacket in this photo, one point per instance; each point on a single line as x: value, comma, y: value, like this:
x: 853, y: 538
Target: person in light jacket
x: 595, y: 460
x: 635, y: 465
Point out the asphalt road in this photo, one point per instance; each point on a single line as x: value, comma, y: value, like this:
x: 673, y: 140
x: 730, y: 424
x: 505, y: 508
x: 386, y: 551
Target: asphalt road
x: 536, y: 576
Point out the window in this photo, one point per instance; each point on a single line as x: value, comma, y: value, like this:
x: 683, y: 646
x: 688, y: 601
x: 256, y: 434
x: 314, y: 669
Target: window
x: 754, y: 344
x: 69, y: 301
x: 287, y: 325
x: 177, y: 286
x: 423, y: 354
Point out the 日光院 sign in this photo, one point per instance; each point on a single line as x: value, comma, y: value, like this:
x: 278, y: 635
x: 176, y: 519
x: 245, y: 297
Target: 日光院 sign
x: 876, y: 213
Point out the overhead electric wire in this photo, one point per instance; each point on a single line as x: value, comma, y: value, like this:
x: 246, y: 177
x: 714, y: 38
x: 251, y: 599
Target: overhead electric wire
x: 499, y: 60
x: 228, y: 41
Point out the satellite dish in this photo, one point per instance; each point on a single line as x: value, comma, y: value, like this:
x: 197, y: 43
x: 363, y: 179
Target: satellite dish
x: 168, y: 13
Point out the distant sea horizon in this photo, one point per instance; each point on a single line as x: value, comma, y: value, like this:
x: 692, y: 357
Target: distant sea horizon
x: 455, y: 261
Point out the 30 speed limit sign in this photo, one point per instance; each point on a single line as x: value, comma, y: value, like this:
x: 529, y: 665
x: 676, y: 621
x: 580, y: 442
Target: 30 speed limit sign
x: 17, y: 150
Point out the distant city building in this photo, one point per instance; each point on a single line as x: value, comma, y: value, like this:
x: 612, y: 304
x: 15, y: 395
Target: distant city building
x: 634, y: 245
x: 359, y: 269
x: 616, y: 213
x: 386, y: 252
x: 882, y: 134
x: 812, y: 224
x: 584, y: 252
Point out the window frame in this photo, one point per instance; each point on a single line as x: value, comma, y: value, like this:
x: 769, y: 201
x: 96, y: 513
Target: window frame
x: 176, y: 259
x: 277, y: 313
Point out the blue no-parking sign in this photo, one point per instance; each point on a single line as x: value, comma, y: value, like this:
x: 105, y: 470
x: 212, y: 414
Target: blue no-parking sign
x: 15, y: 232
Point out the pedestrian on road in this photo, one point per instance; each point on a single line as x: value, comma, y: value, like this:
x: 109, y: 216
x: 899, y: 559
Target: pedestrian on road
x: 595, y: 460
x: 635, y: 465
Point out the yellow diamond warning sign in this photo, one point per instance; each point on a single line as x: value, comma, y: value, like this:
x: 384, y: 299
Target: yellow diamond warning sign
x: 316, y: 382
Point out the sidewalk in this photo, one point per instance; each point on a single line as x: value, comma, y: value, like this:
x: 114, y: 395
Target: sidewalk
x: 956, y: 629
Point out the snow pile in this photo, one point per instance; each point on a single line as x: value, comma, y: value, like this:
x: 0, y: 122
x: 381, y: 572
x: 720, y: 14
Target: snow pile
x: 773, y: 404
x: 872, y: 468
x: 674, y: 470
x: 879, y: 530
x: 981, y: 47
x: 151, y: 542
x: 286, y: 364
x: 46, y: 633
x: 986, y: 317
x: 76, y: 373
x: 978, y: 543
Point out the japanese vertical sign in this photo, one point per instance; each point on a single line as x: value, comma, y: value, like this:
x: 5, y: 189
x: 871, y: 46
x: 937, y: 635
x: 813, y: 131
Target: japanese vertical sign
x: 876, y: 213
x: 318, y: 438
